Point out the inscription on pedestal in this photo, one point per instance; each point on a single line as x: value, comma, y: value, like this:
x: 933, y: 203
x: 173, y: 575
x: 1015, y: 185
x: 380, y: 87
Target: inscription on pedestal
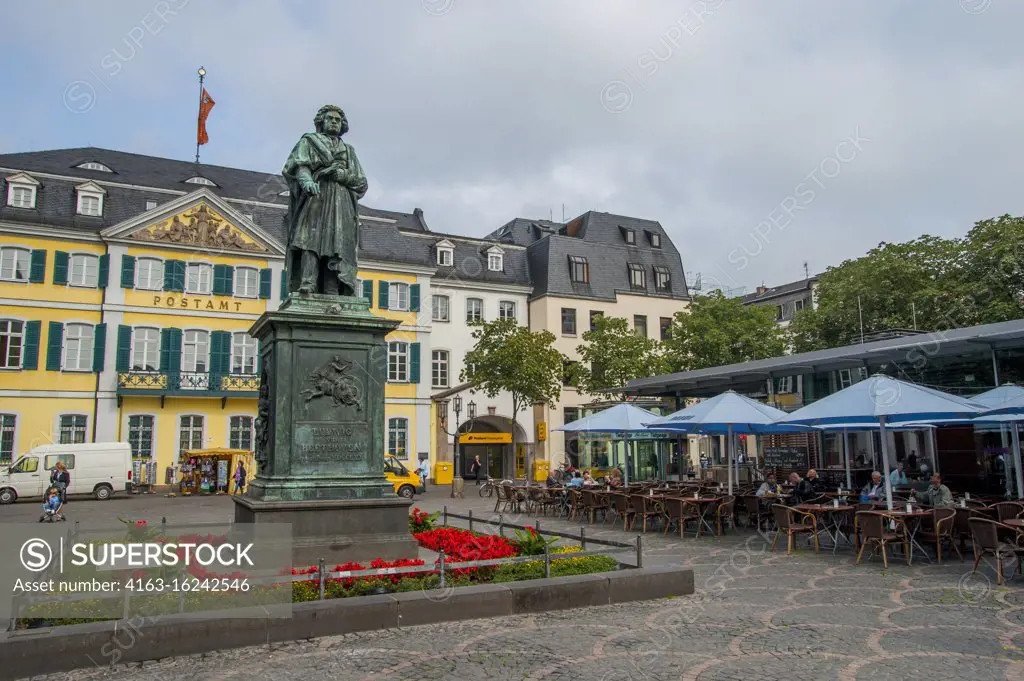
x: 339, y: 448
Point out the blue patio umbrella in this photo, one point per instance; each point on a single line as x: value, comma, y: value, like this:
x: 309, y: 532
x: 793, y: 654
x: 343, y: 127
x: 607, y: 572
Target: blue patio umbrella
x: 845, y: 428
x: 726, y: 413
x: 884, y: 400
x: 998, y: 397
x: 621, y: 422
x: 1007, y: 402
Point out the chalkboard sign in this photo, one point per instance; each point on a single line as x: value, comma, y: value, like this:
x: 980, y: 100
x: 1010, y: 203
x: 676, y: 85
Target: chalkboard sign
x: 785, y: 457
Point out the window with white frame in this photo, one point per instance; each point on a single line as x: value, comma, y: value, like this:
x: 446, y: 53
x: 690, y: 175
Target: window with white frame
x: 12, y: 342
x: 845, y: 378
x: 149, y: 274
x: 93, y: 165
x: 240, y: 432
x: 798, y: 305
x: 190, y: 433
x: 72, y: 429
x: 21, y: 192
x: 90, y: 203
x: 507, y: 309
x: 195, y: 351
x: 14, y: 263
x: 198, y: 278
x: 78, y: 344
x: 243, y: 353
x: 662, y: 278
x: 398, y: 361
x: 637, y: 276
x: 151, y: 204
x: 145, y: 349
x: 439, y: 368
x: 140, y: 436
x: 200, y: 180
x: 398, y: 296
x: 247, y: 282
x: 398, y: 437
x: 8, y: 423
x: 579, y: 270
x: 495, y: 262
x: 784, y: 384
x: 440, y: 308
x: 83, y: 270
x: 474, y: 310
x: 780, y: 312
x: 445, y: 256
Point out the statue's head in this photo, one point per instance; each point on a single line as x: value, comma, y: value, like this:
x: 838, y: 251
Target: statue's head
x: 330, y: 120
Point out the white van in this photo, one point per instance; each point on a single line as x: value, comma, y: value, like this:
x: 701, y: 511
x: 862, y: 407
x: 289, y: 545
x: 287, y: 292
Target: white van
x: 99, y: 469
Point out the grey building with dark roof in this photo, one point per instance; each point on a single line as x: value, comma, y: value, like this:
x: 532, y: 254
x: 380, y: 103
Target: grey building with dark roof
x: 787, y: 299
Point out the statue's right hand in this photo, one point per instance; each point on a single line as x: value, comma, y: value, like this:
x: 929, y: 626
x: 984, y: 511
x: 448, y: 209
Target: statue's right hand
x: 310, y: 187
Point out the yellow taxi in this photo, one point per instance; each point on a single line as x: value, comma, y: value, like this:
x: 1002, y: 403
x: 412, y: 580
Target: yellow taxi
x: 406, y: 483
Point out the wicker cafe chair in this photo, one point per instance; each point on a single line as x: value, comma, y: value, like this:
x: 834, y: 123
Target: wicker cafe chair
x: 941, y: 531
x: 1006, y: 510
x: 786, y: 520
x: 501, y: 499
x: 680, y: 512
x: 755, y: 514
x: 985, y: 534
x: 872, y: 525
x: 622, y: 508
x: 650, y: 508
x: 575, y: 503
x: 725, y: 511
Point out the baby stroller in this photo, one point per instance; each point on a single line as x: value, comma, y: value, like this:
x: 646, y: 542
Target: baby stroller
x: 52, y: 507
x: 52, y: 516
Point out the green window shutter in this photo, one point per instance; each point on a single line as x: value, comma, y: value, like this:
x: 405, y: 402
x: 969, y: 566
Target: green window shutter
x: 30, y: 352
x: 223, y: 279
x: 124, y: 348
x: 104, y: 276
x: 368, y: 290
x: 54, y: 344
x: 174, y: 275
x: 60, y: 268
x: 414, y: 362
x: 127, y: 271
x: 265, y: 275
x: 220, y: 354
x: 284, y: 284
x: 414, y: 298
x: 37, y: 267
x: 382, y: 295
x: 99, y: 347
x: 170, y: 350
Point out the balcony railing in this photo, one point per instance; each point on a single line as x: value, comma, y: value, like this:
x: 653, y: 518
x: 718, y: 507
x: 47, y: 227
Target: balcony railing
x: 199, y: 384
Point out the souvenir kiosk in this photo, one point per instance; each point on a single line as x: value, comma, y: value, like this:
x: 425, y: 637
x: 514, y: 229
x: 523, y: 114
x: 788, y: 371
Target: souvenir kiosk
x: 212, y: 471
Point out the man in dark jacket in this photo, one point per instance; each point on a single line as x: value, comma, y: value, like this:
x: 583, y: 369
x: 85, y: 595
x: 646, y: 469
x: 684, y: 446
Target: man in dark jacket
x: 803, y: 490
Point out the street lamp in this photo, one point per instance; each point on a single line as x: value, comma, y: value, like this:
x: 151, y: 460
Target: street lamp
x: 458, y: 483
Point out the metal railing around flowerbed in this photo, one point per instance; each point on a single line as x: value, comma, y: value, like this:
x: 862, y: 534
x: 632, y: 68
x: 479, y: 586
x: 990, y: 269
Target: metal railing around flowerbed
x: 321, y: 574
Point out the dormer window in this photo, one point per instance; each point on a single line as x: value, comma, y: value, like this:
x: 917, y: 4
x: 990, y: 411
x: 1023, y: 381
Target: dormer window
x: 21, y: 191
x: 495, y: 259
x: 637, y: 277
x: 629, y: 235
x: 655, y: 239
x: 579, y: 271
x: 90, y: 199
x: 662, y: 279
x: 200, y: 180
x: 93, y: 165
x: 445, y: 253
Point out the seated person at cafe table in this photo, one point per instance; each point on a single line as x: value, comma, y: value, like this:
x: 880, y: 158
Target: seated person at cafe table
x: 874, y: 490
x: 898, y: 478
x: 615, y: 479
x: 936, y: 496
x: 817, y: 484
x: 588, y: 479
x: 769, y: 488
x: 803, y: 490
x: 577, y: 480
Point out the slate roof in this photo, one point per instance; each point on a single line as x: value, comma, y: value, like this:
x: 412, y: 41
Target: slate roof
x: 599, y: 238
x: 778, y: 291
x: 392, y: 237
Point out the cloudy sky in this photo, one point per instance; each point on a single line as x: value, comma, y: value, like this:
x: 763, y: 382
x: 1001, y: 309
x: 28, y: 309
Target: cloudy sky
x: 761, y: 134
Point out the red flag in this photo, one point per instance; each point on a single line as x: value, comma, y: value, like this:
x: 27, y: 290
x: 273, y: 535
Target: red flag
x: 205, y: 104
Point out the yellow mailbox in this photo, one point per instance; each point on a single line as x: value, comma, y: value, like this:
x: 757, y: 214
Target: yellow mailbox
x: 443, y: 473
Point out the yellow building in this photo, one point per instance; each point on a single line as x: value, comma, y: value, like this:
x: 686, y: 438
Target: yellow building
x: 126, y: 318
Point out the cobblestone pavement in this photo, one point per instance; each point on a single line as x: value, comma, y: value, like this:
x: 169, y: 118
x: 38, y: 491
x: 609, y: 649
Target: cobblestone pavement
x: 756, y: 615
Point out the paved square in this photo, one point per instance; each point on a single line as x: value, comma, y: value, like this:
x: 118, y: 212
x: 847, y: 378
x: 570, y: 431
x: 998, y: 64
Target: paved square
x: 756, y: 615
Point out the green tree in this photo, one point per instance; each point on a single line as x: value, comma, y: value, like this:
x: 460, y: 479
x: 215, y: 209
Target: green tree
x: 509, y: 357
x: 907, y: 285
x: 615, y: 355
x: 990, y: 281
x: 717, y: 330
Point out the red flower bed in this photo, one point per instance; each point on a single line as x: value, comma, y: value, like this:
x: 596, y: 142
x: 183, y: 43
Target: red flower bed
x: 377, y: 564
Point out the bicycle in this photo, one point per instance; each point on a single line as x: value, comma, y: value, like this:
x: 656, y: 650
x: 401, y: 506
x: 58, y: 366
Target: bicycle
x: 488, y: 487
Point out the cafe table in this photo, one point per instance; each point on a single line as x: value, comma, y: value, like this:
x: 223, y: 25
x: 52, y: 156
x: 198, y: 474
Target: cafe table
x: 1015, y: 523
x: 830, y: 521
x: 705, y: 505
x: 912, y: 523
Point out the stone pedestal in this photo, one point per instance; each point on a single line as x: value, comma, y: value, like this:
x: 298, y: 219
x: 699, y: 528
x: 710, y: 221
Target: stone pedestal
x: 320, y: 433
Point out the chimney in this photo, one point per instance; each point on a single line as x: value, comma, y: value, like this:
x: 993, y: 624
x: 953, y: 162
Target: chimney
x: 418, y: 213
x: 762, y: 289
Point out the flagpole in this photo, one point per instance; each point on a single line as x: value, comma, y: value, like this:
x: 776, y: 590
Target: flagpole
x: 202, y: 75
